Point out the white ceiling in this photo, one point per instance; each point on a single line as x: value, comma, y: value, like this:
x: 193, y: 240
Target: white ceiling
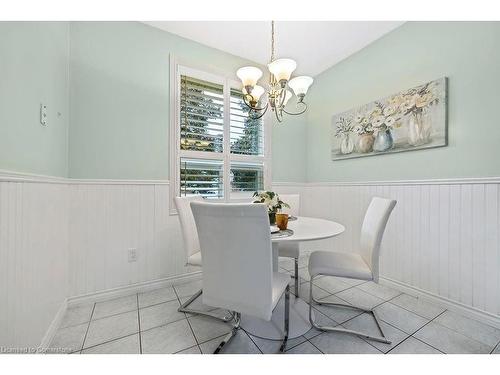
x: 315, y: 45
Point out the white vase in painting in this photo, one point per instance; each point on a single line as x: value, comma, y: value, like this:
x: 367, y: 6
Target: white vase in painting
x: 346, y: 144
x: 419, y: 128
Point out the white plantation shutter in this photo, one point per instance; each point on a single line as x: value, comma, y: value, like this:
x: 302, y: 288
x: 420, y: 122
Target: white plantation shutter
x: 202, y: 177
x: 246, y: 133
x: 219, y: 150
x: 246, y: 177
x: 201, y: 115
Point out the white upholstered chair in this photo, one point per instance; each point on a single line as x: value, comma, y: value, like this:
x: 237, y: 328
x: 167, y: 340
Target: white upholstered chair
x: 191, y: 248
x: 363, y: 265
x: 237, y: 262
x: 291, y: 249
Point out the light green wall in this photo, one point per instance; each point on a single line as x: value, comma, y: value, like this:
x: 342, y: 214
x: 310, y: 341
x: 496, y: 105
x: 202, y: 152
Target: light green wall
x: 466, y: 52
x: 289, y: 149
x: 120, y: 98
x: 118, y: 105
x: 34, y: 70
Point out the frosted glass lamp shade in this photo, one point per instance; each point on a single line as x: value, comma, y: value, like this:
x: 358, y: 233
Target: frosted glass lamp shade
x: 288, y: 96
x: 300, y: 85
x: 257, y: 92
x: 249, y: 75
x: 282, y: 69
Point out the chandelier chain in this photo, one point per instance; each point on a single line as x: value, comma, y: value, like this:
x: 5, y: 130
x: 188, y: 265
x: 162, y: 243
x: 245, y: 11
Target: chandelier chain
x: 272, y: 41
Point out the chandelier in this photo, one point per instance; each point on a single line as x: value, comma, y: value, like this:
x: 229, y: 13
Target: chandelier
x: 278, y: 93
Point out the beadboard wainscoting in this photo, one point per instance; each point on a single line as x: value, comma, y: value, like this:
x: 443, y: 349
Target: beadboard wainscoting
x: 33, y: 258
x: 107, y: 219
x: 442, y: 238
x: 68, y: 240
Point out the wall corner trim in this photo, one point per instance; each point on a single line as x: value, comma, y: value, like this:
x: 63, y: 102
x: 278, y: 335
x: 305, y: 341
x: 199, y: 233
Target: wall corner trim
x: 53, y: 327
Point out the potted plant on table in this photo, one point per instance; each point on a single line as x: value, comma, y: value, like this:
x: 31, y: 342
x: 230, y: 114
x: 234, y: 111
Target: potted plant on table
x: 272, y: 201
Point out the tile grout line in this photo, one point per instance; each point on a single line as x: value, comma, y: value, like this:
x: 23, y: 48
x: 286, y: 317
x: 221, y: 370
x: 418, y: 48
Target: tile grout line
x: 426, y: 324
x: 463, y: 334
x: 88, y: 327
x: 139, y: 323
x: 453, y: 330
x: 109, y: 316
x: 157, y: 303
x: 112, y: 340
x: 496, y: 346
x: 395, y: 346
x: 310, y: 342
x: 191, y: 347
x: 188, y: 322
x: 426, y: 343
x: 251, y: 339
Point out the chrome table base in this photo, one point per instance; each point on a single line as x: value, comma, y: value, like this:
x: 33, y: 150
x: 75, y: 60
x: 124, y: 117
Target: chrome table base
x: 273, y: 329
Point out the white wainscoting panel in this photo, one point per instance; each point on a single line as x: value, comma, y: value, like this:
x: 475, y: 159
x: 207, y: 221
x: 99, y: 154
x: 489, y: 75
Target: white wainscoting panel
x: 108, y: 219
x: 33, y: 259
x: 67, y: 239
x: 443, y: 236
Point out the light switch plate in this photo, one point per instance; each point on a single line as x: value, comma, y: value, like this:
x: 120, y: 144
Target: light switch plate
x: 43, y: 114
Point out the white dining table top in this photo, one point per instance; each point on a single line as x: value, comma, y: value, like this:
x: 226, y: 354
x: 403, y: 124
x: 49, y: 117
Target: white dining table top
x: 310, y: 229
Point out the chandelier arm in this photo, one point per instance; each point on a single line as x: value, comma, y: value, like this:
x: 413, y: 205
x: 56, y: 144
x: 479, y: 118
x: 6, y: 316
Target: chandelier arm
x: 297, y: 113
x: 247, y: 103
x: 260, y: 115
x: 279, y: 115
x: 282, y: 97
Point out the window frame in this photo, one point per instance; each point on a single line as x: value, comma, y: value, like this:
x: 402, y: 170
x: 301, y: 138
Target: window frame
x: 178, y: 68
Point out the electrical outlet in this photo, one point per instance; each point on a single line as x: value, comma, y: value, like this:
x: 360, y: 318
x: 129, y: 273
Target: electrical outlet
x: 132, y: 255
x: 43, y: 114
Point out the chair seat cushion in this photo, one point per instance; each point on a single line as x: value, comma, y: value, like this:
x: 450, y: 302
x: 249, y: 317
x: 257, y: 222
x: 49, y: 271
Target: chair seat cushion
x: 280, y: 281
x: 289, y: 249
x: 195, y: 259
x: 330, y: 263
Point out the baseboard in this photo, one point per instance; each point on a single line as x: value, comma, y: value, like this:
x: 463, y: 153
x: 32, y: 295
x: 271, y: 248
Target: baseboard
x: 133, y: 288
x: 471, y: 312
x: 54, y: 326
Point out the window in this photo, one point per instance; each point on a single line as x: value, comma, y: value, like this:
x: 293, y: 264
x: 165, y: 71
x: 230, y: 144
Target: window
x: 217, y: 150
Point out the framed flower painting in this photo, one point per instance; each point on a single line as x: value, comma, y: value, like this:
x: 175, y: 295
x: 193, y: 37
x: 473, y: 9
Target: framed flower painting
x: 412, y: 119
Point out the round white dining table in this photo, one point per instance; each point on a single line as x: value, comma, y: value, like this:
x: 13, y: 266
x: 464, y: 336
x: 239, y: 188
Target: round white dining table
x: 304, y: 229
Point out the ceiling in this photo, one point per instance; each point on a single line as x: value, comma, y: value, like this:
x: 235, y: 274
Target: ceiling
x: 315, y: 45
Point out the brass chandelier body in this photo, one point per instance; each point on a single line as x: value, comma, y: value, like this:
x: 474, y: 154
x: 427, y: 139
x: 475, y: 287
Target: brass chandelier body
x: 278, y: 93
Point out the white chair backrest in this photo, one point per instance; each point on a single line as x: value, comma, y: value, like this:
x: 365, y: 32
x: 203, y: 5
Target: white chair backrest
x: 372, y: 231
x: 188, y: 226
x: 237, y: 256
x: 293, y: 201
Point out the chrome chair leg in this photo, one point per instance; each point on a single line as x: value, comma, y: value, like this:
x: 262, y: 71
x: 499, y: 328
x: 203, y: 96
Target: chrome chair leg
x: 184, y: 308
x: 297, y: 279
x: 287, y: 319
x: 237, y: 320
x: 381, y: 339
x: 230, y: 335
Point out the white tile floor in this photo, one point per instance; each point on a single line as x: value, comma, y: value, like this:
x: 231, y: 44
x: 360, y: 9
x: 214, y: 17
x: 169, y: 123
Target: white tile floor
x: 150, y: 323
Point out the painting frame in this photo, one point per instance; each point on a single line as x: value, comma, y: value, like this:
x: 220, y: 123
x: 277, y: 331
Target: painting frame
x: 431, y: 96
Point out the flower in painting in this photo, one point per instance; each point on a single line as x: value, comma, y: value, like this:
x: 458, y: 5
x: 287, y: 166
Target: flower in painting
x: 424, y: 100
x: 408, y: 103
x: 376, y: 112
x: 358, y: 129
x: 358, y: 118
x: 378, y: 121
x: 390, y: 110
x: 365, y: 121
x: 389, y: 121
